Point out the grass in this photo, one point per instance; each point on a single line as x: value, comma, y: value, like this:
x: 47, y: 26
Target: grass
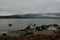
x: 39, y: 35
x: 32, y: 37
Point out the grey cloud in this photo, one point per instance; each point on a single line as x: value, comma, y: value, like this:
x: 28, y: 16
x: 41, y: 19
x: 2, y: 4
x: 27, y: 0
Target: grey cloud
x: 31, y: 5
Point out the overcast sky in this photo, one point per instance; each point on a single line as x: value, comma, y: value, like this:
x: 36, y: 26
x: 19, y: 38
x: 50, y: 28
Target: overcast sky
x: 28, y: 6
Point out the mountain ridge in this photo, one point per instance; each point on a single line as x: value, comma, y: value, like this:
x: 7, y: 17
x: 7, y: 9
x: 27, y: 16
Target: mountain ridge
x: 34, y: 16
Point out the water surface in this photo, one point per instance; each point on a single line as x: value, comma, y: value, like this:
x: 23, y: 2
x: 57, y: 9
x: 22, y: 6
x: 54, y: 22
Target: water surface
x: 22, y: 23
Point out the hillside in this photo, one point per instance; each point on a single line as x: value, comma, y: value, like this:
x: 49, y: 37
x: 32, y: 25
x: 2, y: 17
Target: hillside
x: 35, y: 16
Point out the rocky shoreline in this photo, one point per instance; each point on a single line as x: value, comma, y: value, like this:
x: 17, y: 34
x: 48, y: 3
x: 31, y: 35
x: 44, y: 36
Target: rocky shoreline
x: 34, y: 32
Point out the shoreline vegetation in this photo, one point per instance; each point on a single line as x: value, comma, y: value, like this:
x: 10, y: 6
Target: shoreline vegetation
x: 32, y: 37
x: 34, y: 32
x: 33, y: 16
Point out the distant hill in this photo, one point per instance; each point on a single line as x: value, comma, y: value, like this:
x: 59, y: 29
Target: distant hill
x: 35, y: 16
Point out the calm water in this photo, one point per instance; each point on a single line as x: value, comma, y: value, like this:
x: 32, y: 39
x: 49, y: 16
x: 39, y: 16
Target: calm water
x: 22, y: 23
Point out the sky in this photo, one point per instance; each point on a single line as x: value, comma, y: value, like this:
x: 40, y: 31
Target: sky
x: 9, y: 7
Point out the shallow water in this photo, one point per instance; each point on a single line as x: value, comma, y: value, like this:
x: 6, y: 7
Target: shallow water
x: 22, y: 23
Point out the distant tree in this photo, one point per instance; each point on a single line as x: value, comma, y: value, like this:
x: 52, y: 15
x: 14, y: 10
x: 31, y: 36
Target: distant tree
x: 50, y: 25
x: 55, y: 25
x: 44, y: 27
x: 37, y: 28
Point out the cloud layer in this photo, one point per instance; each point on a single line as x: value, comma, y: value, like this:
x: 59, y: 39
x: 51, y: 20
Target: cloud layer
x: 26, y: 6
